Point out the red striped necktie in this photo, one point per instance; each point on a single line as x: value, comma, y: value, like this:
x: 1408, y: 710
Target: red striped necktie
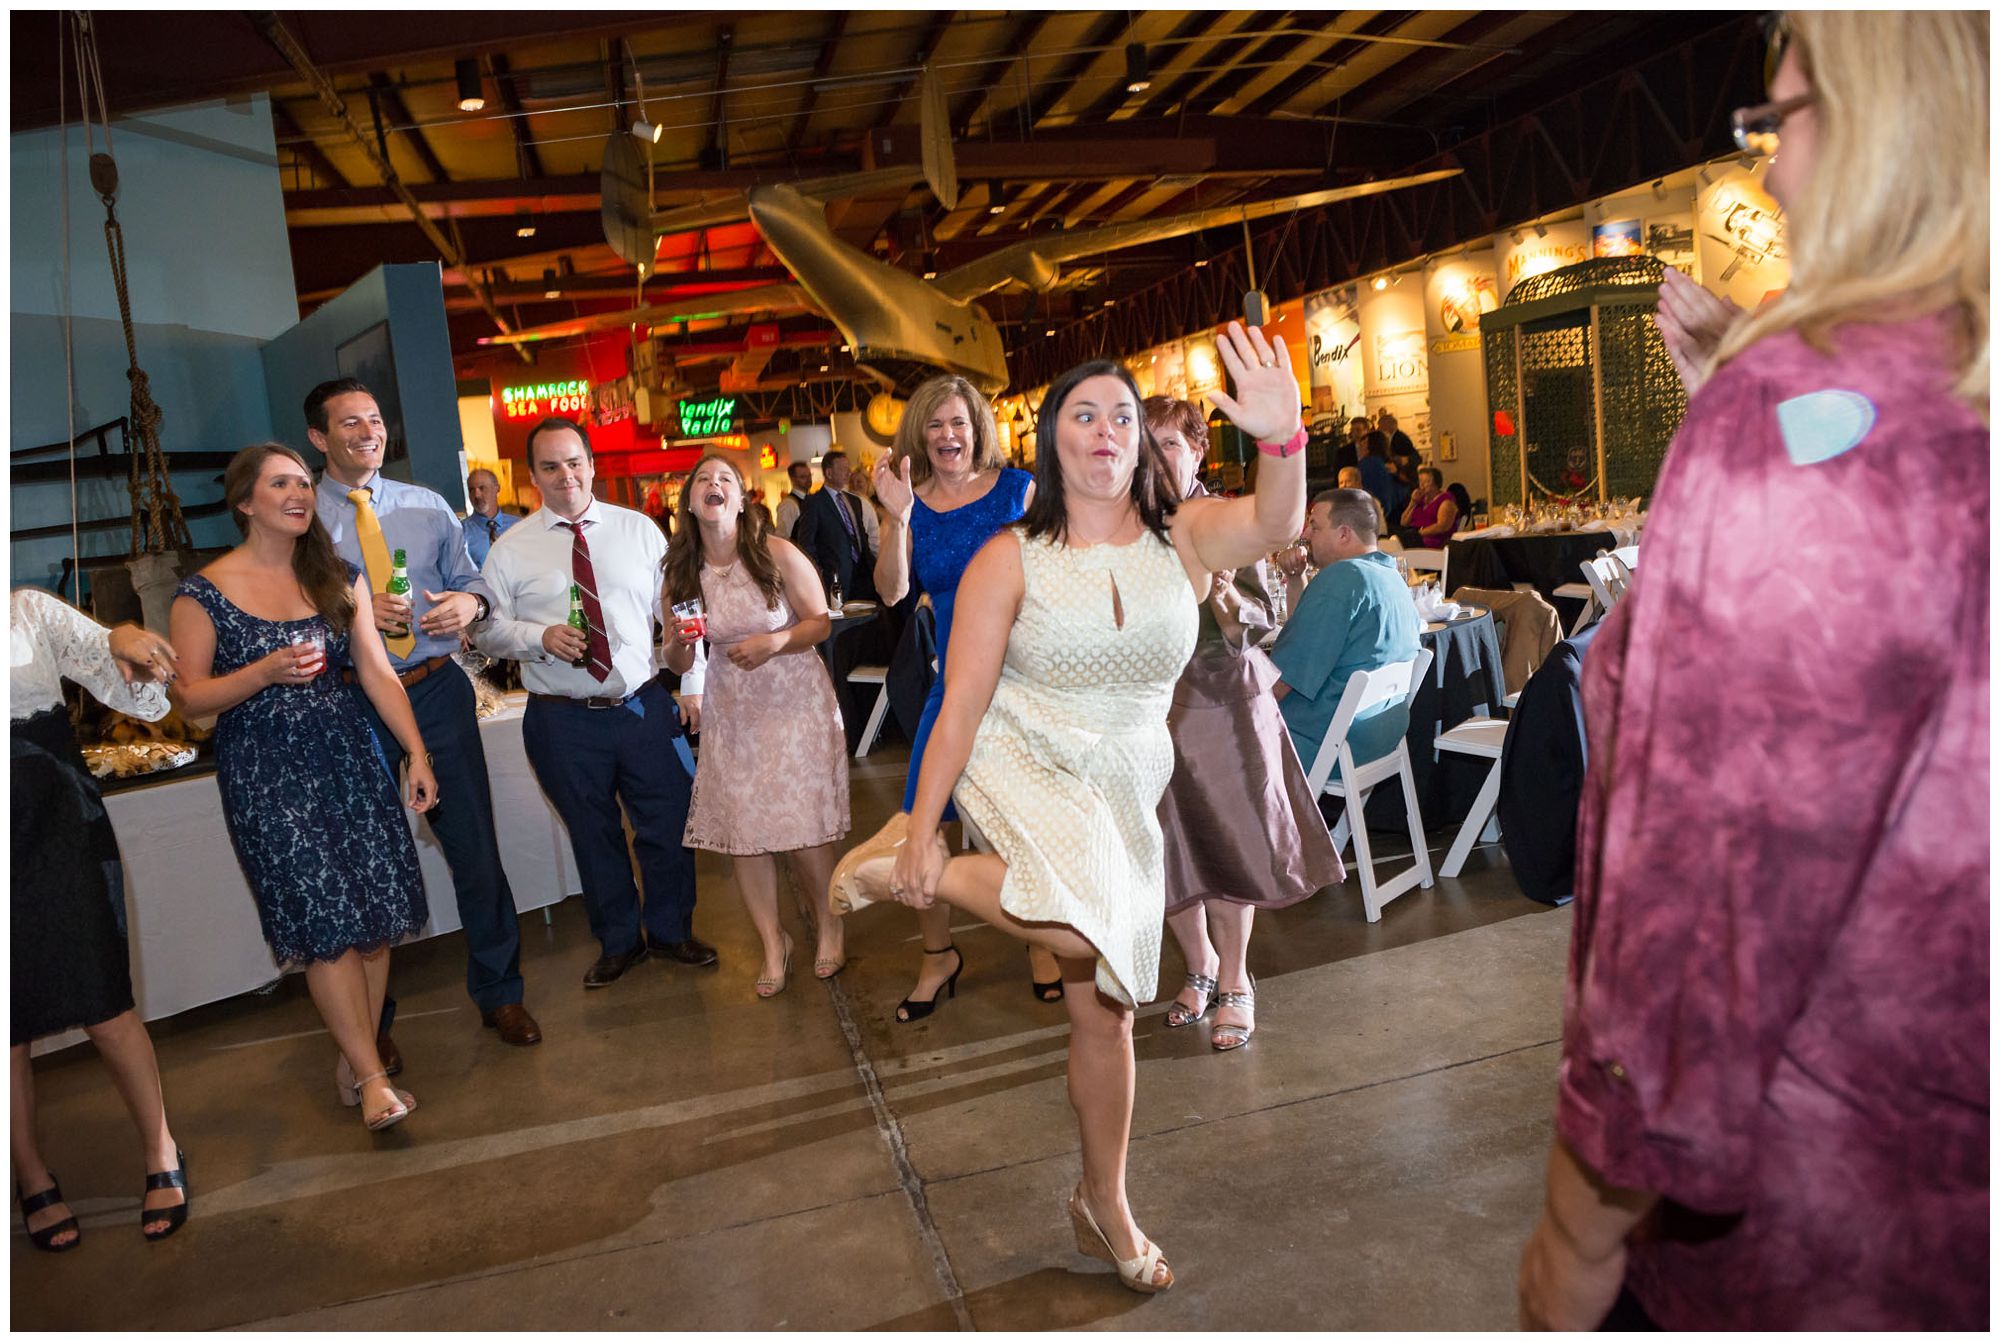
x: 585, y: 577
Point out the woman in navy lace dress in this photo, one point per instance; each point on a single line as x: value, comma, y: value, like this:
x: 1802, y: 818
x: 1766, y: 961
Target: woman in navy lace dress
x: 310, y: 802
x: 946, y: 492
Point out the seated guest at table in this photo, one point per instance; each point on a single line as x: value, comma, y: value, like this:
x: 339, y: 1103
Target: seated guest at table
x: 794, y: 502
x: 1355, y: 615
x: 600, y: 728
x: 486, y: 521
x: 1432, y: 514
x: 1350, y: 478
x: 1376, y: 477
x: 833, y: 536
x: 773, y: 772
x: 1238, y: 820
x: 70, y: 962
x: 945, y: 491
x: 1773, y: 1102
x: 263, y: 633
x: 370, y: 517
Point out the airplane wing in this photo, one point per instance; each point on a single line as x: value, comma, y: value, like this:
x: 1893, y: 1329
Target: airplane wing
x: 1033, y: 261
x: 762, y: 298
x: 733, y: 207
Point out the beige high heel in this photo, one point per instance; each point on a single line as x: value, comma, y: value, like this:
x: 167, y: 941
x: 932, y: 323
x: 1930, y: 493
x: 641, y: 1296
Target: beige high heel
x: 406, y: 1104
x: 862, y: 877
x: 1134, y: 1273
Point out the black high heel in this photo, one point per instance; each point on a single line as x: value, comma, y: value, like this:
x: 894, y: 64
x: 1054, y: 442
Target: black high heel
x: 909, y: 1009
x: 176, y: 1216
x: 1051, y: 991
x: 44, y: 1239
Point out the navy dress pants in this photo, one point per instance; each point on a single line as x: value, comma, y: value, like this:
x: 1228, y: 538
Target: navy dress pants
x: 446, y: 713
x: 588, y: 761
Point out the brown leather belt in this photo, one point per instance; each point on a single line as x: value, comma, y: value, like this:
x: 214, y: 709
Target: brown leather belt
x: 410, y: 678
x: 597, y: 702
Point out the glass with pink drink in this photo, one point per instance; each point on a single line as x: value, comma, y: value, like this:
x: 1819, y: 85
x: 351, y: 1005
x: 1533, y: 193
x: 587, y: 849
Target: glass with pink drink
x: 691, y: 619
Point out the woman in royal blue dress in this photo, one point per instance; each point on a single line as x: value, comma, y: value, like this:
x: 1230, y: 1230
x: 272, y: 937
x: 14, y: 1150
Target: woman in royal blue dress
x: 945, y: 491
x: 264, y: 634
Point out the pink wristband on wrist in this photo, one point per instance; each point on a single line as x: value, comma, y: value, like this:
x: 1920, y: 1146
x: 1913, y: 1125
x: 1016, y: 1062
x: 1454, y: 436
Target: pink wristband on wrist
x: 1291, y: 447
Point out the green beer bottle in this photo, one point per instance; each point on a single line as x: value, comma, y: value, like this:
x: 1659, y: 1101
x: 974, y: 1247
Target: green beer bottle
x: 578, y: 622
x: 399, y: 580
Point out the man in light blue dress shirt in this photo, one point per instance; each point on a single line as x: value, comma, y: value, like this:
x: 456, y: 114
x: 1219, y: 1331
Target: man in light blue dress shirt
x: 446, y: 595
x: 485, y: 523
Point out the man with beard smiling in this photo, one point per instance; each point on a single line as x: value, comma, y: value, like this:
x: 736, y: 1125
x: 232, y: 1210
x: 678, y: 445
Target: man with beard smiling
x: 601, y: 728
x: 370, y: 517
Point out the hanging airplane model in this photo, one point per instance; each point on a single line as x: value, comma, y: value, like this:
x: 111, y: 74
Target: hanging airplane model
x: 901, y: 328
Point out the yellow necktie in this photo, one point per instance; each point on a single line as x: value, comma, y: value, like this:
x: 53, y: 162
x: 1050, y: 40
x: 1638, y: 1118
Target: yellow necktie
x: 375, y: 557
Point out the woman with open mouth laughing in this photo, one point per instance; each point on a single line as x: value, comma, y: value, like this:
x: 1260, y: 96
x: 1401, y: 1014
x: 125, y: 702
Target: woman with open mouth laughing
x: 773, y: 771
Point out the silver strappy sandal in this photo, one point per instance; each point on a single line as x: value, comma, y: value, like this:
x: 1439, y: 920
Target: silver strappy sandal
x: 1223, y: 1038
x: 1178, y: 1015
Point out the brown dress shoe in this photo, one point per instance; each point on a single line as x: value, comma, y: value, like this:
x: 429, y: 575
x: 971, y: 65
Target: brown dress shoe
x: 514, y: 1023
x: 610, y: 968
x: 392, y: 1057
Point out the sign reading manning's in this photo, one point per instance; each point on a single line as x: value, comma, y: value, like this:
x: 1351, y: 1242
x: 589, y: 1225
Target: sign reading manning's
x: 544, y: 398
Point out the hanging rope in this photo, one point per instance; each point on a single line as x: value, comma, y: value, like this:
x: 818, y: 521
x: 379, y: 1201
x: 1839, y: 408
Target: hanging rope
x: 150, y: 483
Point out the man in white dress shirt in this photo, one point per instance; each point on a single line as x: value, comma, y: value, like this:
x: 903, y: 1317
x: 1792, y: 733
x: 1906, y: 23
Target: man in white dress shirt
x: 801, y: 473
x: 600, y: 727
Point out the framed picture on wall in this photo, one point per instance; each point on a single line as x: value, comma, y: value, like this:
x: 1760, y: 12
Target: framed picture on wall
x: 367, y: 358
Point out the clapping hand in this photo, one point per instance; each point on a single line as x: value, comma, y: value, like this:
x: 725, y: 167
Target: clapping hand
x: 1266, y: 404
x: 893, y: 488
x: 1692, y: 321
x: 449, y: 614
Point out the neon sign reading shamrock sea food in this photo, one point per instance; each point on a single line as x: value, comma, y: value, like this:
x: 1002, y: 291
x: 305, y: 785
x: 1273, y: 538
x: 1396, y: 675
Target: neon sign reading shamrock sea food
x: 544, y: 398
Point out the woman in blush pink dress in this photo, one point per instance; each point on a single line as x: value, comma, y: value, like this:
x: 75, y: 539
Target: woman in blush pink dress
x: 773, y: 772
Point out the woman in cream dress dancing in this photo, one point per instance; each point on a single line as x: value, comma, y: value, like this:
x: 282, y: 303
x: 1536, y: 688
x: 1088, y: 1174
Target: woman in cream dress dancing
x: 1072, y: 629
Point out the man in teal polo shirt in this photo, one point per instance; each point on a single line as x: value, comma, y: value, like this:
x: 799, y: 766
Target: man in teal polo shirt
x: 1356, y: 615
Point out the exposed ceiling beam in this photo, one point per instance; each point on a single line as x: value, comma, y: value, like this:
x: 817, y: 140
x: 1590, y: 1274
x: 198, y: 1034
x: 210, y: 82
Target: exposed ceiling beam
x: 529, y: 157
x: 1057, y: 86
x: 828, y: 50
x: 305, y: 148
x: 993, y: 81
x: 403, y: 123
x: 901, y: 109
x: 1116, y: 95
x: 280, y: 37
x: 718, y: 143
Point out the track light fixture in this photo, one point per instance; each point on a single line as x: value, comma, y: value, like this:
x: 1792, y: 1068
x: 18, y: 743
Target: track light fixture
x: 647, y: 131
x: 1379, y: 283
x: 1541, y: 229
x: 549, y: 289
x: 471, y: 97
x: 524, y: 224
x: 930, y: 265
x: 994, y: 205
x: 1515, y: 237
x: 1137, y: 76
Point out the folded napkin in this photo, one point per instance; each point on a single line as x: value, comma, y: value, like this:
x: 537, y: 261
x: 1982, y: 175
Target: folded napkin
x: 1495, y: 532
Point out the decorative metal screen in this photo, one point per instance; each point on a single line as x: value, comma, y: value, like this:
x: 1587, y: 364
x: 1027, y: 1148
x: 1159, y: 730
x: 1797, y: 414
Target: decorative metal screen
x: 1543, y: 388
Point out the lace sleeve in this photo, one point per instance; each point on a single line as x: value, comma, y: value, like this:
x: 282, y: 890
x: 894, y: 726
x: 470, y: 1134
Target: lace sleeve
x: 78, y: 648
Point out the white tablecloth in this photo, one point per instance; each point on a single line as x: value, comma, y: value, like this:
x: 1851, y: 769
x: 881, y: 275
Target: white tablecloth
x: 193, y: 927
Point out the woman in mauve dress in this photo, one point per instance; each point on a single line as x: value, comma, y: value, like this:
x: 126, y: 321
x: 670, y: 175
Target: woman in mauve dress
x: 1238, y: 818
x: 1772, y: 1103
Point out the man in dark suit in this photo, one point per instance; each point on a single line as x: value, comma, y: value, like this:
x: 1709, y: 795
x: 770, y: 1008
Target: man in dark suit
x: 1400, y: 446
x: 831, y: 532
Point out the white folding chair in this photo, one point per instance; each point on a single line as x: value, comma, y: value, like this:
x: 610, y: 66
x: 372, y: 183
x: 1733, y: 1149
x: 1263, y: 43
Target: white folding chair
x: 1628, y: 555
x: 1604, y: 579
x: 871, y: 675
x: 1425, y: 558
x: 1335, y: 772
x: 1481, y: 737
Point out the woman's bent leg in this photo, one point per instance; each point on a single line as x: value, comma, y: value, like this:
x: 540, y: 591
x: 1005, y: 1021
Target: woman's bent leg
x: 340, y: 990
x: 1190, y: 929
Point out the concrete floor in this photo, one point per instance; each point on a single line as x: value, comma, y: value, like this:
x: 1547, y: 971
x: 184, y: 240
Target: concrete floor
x: 678, y: 1154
